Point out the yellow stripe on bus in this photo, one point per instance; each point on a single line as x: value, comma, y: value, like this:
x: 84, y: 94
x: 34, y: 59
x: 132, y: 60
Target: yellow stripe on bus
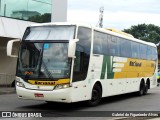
x: 49, y: 83
x: 134, y: 68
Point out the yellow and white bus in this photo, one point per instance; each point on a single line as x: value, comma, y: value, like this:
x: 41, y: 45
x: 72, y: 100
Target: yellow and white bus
x: 66, y: 62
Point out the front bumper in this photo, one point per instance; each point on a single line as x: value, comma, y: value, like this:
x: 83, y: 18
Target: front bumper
x: 60, y: 95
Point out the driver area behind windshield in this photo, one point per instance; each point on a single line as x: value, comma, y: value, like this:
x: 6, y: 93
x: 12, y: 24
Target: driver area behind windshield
x: 43, y: 61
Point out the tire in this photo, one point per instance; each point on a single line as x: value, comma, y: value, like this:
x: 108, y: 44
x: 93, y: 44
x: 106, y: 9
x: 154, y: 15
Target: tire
x: 96, y: 95
x: 49, y: 102
x: 146, y: 89
x: 141, y: 89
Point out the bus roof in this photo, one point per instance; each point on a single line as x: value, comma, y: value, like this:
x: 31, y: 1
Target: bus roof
x: 96, y: 28
x: 120, y: 32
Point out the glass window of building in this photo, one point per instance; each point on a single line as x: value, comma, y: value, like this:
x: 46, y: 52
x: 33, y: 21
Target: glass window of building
x: 30, y: 10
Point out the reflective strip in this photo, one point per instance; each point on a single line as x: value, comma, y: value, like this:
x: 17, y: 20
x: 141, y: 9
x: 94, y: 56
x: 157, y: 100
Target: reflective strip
x: 117, y: 69
x: 119, y: 59
x: 119, y: 65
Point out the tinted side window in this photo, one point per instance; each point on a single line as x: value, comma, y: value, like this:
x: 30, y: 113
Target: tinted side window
x: 135, y: 49
x: 100, y: 43
x: 143, y: 51
x: 154, y: 53
x: 97, y: 47
x: 113, y: 44
x: 105, y: 49
x: 149, y: 52
x: 125, y: 46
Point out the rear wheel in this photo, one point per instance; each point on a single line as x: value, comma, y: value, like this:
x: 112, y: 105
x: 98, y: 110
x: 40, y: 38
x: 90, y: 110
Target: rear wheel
x: 96, y: 96
x: 141, y: 89
x: 146, y: 88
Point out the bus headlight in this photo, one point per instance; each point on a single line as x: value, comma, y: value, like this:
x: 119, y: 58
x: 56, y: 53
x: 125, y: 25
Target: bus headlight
x: 20, y: 84
x: 62, y: 86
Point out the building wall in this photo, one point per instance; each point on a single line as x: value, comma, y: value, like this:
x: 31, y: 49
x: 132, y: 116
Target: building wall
x: 11, y: 28
x: 7, y: 64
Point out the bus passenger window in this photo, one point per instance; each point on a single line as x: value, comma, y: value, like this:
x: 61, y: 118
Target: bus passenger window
x: 135, y: 49
x: 125, y: 48
x: 113, y: 44
x: 143, y: 53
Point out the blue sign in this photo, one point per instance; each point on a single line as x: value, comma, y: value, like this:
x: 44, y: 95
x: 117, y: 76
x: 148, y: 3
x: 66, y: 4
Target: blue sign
x: 46, y: 46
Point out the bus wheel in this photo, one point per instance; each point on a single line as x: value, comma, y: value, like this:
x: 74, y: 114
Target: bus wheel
x: 141, y: 89
x: 146, y: 88
x: 96, y: 95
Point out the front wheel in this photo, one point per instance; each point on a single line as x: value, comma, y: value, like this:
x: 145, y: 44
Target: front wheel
x: 96, y: 96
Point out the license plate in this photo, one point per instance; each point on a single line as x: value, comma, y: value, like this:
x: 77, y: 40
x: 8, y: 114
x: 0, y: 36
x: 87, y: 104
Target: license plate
x: 38, y: 95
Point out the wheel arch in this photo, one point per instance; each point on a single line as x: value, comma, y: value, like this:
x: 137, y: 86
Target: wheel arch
x: 98, y: 82
x: 96, y: 93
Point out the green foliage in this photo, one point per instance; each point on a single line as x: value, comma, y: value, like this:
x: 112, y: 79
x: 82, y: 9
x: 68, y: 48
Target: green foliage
x: 146, y: 32
x: 41, y: 18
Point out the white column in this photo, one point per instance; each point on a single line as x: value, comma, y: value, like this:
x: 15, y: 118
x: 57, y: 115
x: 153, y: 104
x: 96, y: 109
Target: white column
x: 59, y: 11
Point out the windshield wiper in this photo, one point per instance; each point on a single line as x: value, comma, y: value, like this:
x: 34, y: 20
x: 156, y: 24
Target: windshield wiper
x: 46, y: 70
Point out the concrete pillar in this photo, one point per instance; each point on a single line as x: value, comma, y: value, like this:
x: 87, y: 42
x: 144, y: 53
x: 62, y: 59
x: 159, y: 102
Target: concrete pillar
x: 59, y: 11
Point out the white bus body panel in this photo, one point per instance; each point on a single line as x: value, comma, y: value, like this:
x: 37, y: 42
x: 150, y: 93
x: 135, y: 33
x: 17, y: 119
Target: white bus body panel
x: 81, y: 90
x: 78, y: 92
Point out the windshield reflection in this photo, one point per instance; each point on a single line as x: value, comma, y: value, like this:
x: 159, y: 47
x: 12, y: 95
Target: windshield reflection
x: 43, y: 60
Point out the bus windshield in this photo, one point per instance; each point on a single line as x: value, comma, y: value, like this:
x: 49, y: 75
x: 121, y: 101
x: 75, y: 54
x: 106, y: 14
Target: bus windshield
x: 43, y: 60
x: 44, y: 33
x: 44, y: 52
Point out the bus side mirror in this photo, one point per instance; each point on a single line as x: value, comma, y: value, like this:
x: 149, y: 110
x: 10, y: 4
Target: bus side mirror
x: 72, y: 48
x: 10, y: 48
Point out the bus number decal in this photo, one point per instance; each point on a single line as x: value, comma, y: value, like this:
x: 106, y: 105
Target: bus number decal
x: 28, y: 73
